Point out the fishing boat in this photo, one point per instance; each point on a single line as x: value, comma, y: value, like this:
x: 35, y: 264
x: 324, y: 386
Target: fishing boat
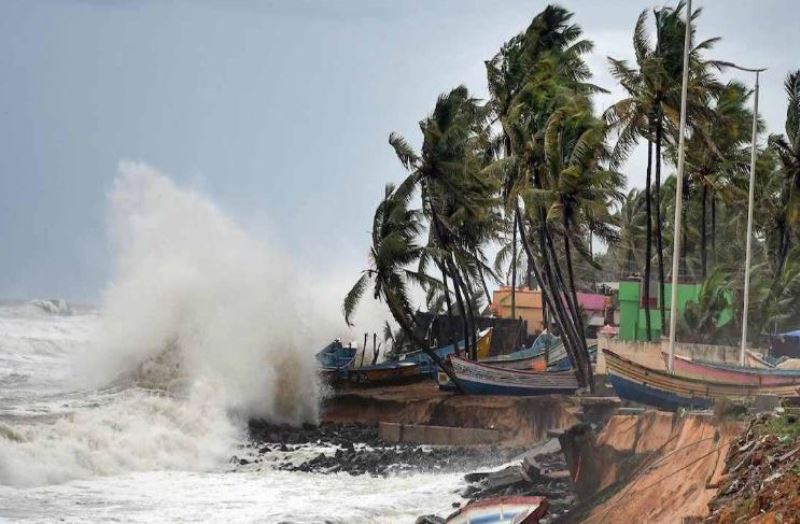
x: 335, y: 359
x: 533, y: 358
x: 529, y: 359
x: 729, y: 373
x: 662, y: 389
x: 385, y: 373
x: 478, y: 378
x: 558, y: 359
x: 426, y: 364
x: 501, y: 510
x: 335, y: 355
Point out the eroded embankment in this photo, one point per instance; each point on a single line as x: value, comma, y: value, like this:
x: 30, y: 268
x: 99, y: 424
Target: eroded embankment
x: 649, y: 467
x: 522, y: 421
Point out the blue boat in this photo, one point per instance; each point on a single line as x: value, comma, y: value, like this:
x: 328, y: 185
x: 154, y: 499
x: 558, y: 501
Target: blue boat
x: 335, y: 355
x: 641, y: 393
x: 558, y: 360
x: 423, y: 360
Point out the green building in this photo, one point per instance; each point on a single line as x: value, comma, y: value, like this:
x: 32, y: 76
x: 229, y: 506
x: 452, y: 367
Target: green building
x: 632, y: 319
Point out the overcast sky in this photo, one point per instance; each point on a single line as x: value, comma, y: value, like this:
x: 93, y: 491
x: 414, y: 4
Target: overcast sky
x: 278, y: 111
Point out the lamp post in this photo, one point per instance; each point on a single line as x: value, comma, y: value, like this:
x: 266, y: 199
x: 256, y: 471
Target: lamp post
x: 750, y: 199
x: 673, y: 305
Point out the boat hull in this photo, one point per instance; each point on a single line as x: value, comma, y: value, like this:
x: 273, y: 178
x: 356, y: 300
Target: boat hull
x: 501, y: 510
x: 518, y: 360
x: 643, y: 394
x: 385, y: 374
x: 637, y: 383
x: 426, y: 365
x: 733, y: 374
x: 480, y: 379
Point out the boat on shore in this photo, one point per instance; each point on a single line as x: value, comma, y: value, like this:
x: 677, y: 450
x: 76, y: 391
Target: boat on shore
x: 533, y: 358
x: 385, y: 373
x: 335, y: 359
x: 501, y: 510
x: 426, y: 365
x: 558, y: 359
x: 477, y: 378
x: 335, y: 355
x: 729, y: 373
x: 659, y: 388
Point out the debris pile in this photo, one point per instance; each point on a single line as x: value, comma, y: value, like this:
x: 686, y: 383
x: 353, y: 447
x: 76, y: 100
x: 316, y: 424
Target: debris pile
x: 541, y: 472
x: 762, y: 474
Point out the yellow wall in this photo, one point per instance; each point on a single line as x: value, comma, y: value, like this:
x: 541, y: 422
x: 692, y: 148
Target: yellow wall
x: 528, y: 306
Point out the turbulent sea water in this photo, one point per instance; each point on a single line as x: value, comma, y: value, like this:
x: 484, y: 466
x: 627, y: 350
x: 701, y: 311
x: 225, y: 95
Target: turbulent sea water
x: 131, y: 412
x: 131, y: 454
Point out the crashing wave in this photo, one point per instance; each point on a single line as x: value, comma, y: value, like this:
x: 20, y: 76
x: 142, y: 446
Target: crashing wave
x: 53, y: 306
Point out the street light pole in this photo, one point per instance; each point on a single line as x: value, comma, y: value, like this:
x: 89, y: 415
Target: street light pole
x: 750, y: 198
x: 673, y: 305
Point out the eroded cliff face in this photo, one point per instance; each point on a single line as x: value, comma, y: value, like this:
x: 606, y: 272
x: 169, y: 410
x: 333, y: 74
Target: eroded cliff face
x: 522, y: 420
x: 650, y: 467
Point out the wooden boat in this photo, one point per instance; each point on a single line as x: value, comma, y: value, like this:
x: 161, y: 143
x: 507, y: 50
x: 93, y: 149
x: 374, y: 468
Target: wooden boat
x: 335, y: 355
x: 528, y: 359
x: 728, y: 373
x: 426, y: 365
x: 385, y: 373
x: 659, y: 388
x: 480, y: 379
x: 501, y: 510
x: 533, y: 358
x: 335, y: 359
x: 558, y: 360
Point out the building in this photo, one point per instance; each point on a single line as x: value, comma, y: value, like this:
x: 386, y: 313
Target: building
x: 632, y: 317
x: 529, y: 308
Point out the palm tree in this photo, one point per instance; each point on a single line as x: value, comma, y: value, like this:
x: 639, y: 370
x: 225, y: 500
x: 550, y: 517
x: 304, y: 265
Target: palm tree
x: 630, y: 219
x: 394, y: 249
x: 458, y: 198
x: 534, y: 75
x: 715, y: 153
x: 651, y: 108
x: 788, y: 150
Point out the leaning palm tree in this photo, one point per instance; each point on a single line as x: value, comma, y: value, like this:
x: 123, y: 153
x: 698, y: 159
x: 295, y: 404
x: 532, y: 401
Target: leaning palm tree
x: 394, y: 249
x: 535, y: 74
x: 458, y: 199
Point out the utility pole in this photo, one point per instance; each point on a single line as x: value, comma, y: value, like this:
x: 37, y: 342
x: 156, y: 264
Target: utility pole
x: 676, y: 243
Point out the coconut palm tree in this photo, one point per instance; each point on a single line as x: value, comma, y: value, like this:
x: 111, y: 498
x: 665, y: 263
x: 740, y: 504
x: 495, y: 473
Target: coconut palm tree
x: 630, y: 220
x: 715, y: 152
x: 535, y: 74
x: 651, y: 112
x: 787, y: 148
x: 458, y: 198
x: 394, y: 249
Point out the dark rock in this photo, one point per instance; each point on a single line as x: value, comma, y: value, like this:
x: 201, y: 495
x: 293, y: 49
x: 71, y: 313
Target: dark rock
x: 429, y: 519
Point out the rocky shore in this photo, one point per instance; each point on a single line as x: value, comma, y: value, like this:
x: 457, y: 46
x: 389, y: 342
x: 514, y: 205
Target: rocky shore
x: 357, y: 450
